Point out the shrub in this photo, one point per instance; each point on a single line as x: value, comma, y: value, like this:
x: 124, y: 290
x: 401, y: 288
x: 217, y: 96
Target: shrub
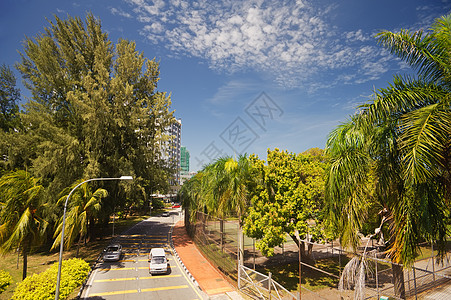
x: 5, y: 280
x: 43, y: 286
x: 157, y: 203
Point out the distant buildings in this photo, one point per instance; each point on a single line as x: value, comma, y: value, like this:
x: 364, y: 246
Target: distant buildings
x: 185, y: 174
x: 171, y: 149
x: 177, y: 156
x: 184, y: 160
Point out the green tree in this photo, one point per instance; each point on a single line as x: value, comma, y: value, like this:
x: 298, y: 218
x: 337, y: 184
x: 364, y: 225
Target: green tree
x: 9, y: 95
x: 95, y: 111
x: 222, y: 187
x: 395, y: 152
x: 84, y: 206
x: 225, y: 186
x: 21, y: 216
x: 288, y: 197
x: 191, y: 193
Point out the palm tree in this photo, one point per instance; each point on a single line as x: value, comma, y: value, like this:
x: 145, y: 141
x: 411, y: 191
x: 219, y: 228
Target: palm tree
x: 225, y: 184
x: 399, y: 146
x: 418, y: 110
x: 83, y: 207
x: 221, y: 187
x: 228, y: 181
x: 21, y: 216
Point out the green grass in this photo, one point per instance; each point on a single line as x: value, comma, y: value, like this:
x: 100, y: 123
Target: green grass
x: 288, y: 274
x: 426, y: 251
x: 40, y: 261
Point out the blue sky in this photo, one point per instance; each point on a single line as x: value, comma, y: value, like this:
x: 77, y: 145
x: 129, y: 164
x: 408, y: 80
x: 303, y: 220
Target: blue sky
x: 246, y: 76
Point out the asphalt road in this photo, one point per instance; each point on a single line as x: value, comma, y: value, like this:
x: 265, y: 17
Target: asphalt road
x: 129, y: 278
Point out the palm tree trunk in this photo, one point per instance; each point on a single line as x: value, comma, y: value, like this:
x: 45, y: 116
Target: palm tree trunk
x: 398, y: 281
x: 24, y: 270
x: 78, y: 244
x: 398, y: 271
x: 221, y: 229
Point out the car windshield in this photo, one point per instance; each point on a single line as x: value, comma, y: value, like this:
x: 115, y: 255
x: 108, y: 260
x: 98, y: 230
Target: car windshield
x: 112, y: 249
x: 158, y: 260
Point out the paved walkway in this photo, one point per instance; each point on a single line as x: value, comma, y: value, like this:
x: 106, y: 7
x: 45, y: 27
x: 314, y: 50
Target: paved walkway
x: 209, y: 279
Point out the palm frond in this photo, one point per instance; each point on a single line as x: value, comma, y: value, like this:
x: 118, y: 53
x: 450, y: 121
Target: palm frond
x: 423, y: 139
x: 418, y: 49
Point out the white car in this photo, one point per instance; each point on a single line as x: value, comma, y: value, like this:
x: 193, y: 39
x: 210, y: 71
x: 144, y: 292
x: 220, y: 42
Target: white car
x: 112, y: 252
x: 158, y: 263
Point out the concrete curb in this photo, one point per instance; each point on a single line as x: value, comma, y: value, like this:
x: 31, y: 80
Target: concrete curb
x: 87, y: 277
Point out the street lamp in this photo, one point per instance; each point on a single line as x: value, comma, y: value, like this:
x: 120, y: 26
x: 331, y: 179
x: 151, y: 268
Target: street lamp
x: 58, y: 279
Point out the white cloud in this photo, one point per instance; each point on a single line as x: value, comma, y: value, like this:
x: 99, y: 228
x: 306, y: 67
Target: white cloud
x: 235, y: 90
x: 288, y: 39
x: 356, y: 36
x: 119, y: 12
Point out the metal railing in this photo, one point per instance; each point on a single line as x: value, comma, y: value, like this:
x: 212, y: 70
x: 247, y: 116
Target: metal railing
x: 260, y: 286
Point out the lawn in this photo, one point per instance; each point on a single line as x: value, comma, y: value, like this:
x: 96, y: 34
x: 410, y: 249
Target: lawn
x: 41, y: 260
x: 287, y: 274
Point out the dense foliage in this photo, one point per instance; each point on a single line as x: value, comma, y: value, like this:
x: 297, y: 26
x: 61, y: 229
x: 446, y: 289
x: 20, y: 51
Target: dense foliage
x: 5, y: 280
x: 43, y: 286
x: 9, y: 95
x: 394, y: 155
x: 95, y: 112
x: 395, y: 152
x: 271, y: 200
x: 23, y: 214
x: 288, y: 196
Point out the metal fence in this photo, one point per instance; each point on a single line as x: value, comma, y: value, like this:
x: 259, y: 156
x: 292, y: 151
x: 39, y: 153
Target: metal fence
x: 260, y: 286
x: 218, y: 240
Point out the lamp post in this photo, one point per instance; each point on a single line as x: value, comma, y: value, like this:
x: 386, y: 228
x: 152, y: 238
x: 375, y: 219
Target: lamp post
x: 58, y: 278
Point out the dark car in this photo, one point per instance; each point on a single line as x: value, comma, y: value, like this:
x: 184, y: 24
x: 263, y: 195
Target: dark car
x: 112, y: 252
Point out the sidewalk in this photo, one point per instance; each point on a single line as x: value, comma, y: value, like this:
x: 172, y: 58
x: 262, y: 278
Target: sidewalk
x: 210, y: 280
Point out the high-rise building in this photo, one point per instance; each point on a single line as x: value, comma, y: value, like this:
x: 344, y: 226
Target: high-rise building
x: 175, y: 145
x: 184, y: 160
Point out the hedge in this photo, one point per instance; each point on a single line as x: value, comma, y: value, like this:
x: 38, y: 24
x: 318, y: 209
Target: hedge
x: 43, y: 286
x: 5, y: 280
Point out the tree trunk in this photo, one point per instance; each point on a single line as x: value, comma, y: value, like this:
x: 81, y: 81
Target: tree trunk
x: 398, y: 272
x: 24, y: 270
x: 398, y: 281
x: 303, y: 253
x: 221, y: 229
x: 302, y: 246
x: 309, y: 249
x: 87, y: 231
x: 78, y: 244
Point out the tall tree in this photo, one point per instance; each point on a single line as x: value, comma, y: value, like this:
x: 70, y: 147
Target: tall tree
x: 401, y: 142
x: 225, y: 185
x: 9, y: 95
x: 95, y: 109
x: 21, y: 215
x: 289, y: 195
